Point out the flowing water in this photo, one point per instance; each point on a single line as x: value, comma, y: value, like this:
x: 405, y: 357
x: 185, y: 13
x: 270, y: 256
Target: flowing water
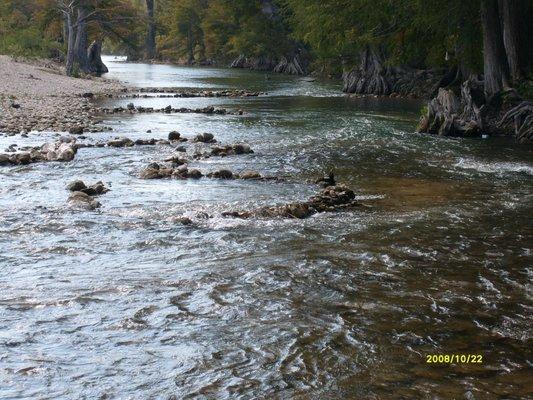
x: 126, y: 303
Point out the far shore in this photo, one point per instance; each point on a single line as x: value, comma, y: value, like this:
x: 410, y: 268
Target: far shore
x: 36, y: 95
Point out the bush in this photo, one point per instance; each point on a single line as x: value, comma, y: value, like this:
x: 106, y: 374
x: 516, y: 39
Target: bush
x: 27, y: 43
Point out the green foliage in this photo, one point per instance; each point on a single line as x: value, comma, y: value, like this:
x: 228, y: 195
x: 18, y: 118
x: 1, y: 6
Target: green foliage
x: 525, y: 88
x: 27, y: 28
x: 413, y: 32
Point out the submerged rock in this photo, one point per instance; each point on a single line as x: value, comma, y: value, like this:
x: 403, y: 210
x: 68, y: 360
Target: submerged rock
x: 328, y: 180
x: 250, y: 175
x: 332, y: 198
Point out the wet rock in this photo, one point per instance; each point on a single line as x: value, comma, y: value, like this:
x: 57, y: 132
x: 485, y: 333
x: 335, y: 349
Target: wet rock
x: 76, y: 130
x: 120, y: 142
x: 83, y: 201
x: 174, y: 135
x: 204, y: 138
x: 194, y: 174
x: 176, y: 160
x: 183, y: 221
x: 94, y: 190
x: 328, y: 180
x: 4, y: 159
x: 149, y: 131
x: 76, y: 186
x: 181, y: 149
x: 221, y: 174
x: 149, y: 173
x: 21, y: 158
x: 130, y: 106
x: 240, y: 148
x: 202, y: 215
x: 180, y: 172
x: 332, y: 198
x: 145, y: 142
x: 250, y: 175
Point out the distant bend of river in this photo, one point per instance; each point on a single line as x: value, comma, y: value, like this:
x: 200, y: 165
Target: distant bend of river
x: 125, y: 303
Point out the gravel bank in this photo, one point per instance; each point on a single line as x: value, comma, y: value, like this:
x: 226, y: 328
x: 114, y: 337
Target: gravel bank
x: 38, y: 97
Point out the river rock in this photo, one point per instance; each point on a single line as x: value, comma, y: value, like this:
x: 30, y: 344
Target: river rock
x: 120, y: 142
x: 180, y: 172
x: 4, y: 159
x: 250, y: 175
x: 174, y: 135
x: 83, y: 201
x: 194, y: 174
x: 149, y: 173
x: 205, y: 138
x: 76, y: 186
x: 221, y: 174
x: 94, y: 190
x: 239, y: 148
x: 145, y: 142
x: 332, y: 198
x: 76, y: 130
x: 183, y: 220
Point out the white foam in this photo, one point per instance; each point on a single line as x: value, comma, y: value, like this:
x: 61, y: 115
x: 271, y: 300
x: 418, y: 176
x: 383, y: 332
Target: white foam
x: 495, y: 167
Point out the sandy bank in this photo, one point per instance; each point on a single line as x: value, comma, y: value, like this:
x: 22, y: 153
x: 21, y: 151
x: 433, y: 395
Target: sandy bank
x: 37, y: 96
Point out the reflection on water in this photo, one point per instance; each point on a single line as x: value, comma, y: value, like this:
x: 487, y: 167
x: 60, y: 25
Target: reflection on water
x: 126, y: 303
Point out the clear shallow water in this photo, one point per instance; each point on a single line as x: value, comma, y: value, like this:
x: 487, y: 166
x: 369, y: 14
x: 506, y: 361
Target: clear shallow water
x: 126, y: 303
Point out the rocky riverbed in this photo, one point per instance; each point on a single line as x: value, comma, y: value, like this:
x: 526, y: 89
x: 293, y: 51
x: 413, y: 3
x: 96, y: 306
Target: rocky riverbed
x: 37, y: 96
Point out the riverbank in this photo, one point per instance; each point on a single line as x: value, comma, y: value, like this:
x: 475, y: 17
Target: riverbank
x: 37, y: 96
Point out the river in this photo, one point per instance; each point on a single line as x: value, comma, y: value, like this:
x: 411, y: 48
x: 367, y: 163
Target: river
x: 125, y: 303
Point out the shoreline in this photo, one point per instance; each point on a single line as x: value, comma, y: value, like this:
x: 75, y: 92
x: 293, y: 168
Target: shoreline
x: 38, y: 96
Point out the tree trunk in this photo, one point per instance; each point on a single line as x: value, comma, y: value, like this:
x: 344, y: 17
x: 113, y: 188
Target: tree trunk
x: 94, y: 58
x: 80, y: 46
x: 150, y: 36
x: 509, y: 10
x: 70, y: 45
x: 495, y: 66
x: 190, y: 46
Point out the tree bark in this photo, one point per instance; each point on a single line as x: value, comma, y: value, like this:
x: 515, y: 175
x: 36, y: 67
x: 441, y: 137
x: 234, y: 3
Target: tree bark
x: 94, y: 58
x: 80, y: 46
x: 70, y: 44
x: 495, y: 66
x: 509, y: 10
x: 150, y: 36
